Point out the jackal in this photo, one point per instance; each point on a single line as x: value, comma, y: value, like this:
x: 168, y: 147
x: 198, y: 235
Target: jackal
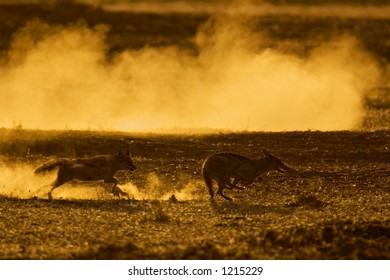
x: 101, y: 167
x: 222, y: 167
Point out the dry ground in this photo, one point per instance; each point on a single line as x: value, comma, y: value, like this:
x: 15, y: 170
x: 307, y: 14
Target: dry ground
x: 336, y: 208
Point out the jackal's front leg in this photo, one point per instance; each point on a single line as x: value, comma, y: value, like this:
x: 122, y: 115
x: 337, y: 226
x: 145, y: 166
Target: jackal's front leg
x: 115, y: 189
x: 244, y: 177
x: 233, y: 185
x: 118, y: 192
x: 242, y: 181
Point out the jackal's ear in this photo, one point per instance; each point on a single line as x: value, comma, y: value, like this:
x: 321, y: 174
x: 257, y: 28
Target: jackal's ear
x: 127, y: 153
x: 267, y: 154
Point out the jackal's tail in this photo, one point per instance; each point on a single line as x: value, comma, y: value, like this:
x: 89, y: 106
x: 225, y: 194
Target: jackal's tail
x: 50, y: 165
x: 208, y: 181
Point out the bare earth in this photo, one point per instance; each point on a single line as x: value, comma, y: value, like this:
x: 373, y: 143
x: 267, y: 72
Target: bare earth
x: 337, y: 207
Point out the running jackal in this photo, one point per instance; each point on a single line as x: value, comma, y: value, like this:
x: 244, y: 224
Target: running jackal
x: 101, y: 167
x: 222, y: 167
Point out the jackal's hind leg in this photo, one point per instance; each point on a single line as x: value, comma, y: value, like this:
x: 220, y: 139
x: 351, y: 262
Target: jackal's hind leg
x: 49, y: 194
x: 58, y: 182
x: 222, y: 186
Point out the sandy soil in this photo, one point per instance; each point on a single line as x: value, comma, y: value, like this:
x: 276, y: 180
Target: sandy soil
x: 337, y: 207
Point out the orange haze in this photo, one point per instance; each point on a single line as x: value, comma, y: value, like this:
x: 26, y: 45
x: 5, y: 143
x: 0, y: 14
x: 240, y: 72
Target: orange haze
x: 56, y: 77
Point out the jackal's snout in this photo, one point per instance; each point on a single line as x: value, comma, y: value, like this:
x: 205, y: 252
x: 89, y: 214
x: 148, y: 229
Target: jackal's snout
x: 285, y: 169
x: 279, y: 165
x: 282, y: 168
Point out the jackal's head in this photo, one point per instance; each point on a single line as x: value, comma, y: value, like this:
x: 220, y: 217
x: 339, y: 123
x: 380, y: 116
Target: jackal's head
x: 125, y: 160
x: 275, y: 163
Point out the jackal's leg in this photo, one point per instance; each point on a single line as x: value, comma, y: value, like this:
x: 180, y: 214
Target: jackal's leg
x: 222, y: 186
x: 232, y: 185
x: 118, y: 192
x: 49, y: 194
x: 243, y: 181
x: 244, y: 177
x: 235, y: 181
x: 52, y: 189
x: 250, y: 182
x: 63, y: 176
x: 58, y: 182
x: 115, y: 189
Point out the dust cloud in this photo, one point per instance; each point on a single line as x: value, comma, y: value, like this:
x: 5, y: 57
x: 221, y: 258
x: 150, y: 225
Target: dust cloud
x: 19, y: 181
x: 59, y: 77
x: 156, y: 189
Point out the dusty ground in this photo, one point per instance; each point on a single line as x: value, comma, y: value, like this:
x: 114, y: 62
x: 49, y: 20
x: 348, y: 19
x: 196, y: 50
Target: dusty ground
x: 336, y: 208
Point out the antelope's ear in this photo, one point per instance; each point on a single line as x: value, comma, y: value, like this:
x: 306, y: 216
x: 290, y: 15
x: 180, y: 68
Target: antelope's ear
x: 267, y: 154
x: 120, y: 152
x: 127, y: 153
